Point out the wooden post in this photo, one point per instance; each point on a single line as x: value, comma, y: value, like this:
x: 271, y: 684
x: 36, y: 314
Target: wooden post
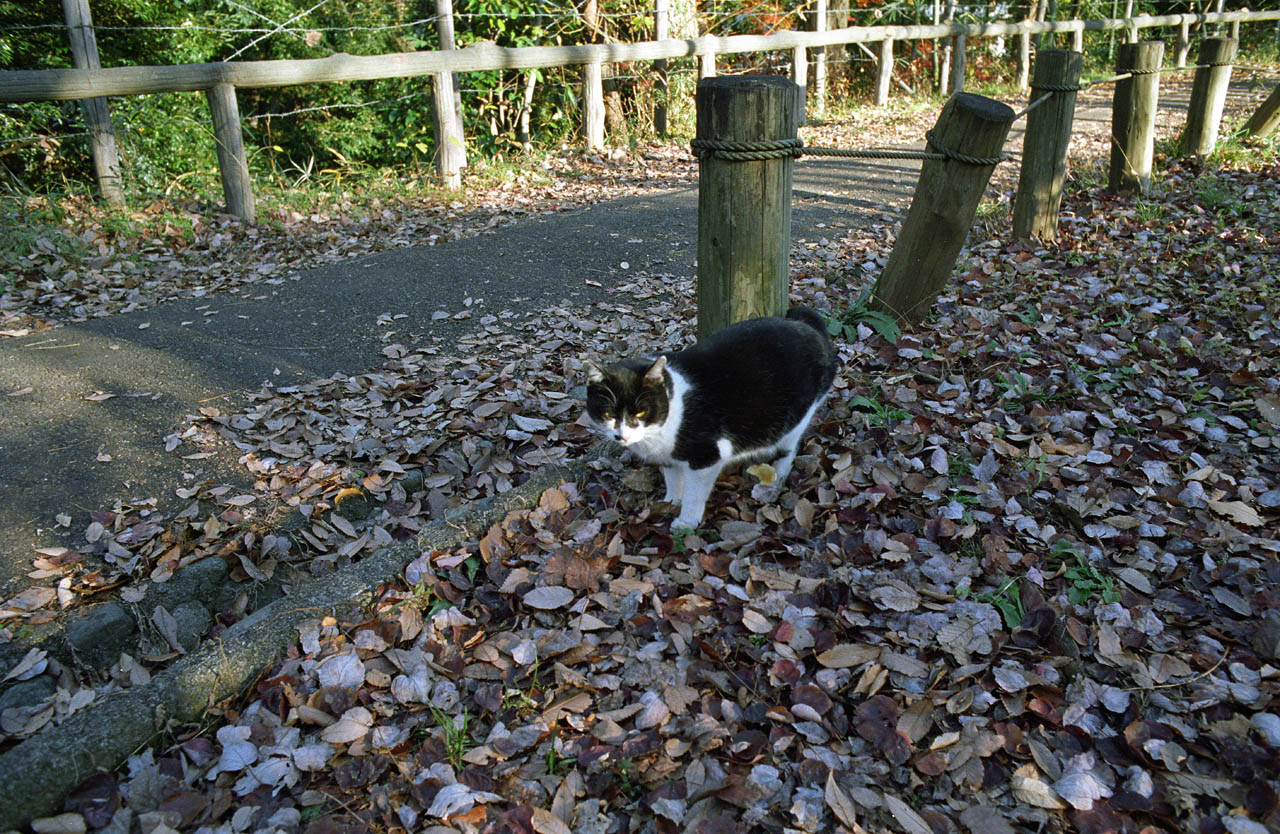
x: 706, y: 65
x: 1266, y: 118
x: 948, y: 45
x: 744, y: 208
x: 661, y: 31
x: 1208, y: 95
x: 453, y: 135
x: 943, y: 206
x: 232, y: 163
x: 1183, y: 44
x: 957, y: 66
x: 593, y: 105
x: 800, y: 75
x: 1077, y: 38
x: 97, y: 113
x: 449, y: 141
x: 820, y: 64
x: 1024, y: 61
x: 1133, y: 116
x: 1044, y: 145
x: 885, y: 74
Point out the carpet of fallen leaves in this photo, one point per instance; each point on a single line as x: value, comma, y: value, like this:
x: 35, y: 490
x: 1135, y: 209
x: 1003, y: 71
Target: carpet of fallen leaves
x: 1023, y: 577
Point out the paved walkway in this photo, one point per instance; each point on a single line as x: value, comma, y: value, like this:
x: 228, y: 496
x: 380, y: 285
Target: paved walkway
x: 61, y: 453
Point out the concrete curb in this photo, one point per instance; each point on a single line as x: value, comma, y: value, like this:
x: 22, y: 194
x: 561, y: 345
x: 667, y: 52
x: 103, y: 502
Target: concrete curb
x: 52, y: 763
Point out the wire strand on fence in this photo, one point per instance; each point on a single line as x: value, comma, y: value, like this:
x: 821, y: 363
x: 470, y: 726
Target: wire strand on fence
x: 256, y: 40
x: 338, y: 106
x: 25, y: 141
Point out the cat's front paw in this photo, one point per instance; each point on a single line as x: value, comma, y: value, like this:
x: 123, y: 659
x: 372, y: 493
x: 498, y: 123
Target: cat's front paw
x: 671, y: 498
x: 685, y: 524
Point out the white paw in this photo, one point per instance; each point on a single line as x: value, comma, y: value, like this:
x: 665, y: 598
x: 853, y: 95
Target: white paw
x: 685, y: 523
x: 671, y: 498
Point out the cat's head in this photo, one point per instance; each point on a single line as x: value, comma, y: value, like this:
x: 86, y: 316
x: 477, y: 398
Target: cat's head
x: 628, y: 400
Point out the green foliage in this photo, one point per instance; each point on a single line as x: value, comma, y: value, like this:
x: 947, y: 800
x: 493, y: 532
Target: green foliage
x: 876, y: 413
x: 846, y: 323
x: 1086, y: 582
x: 1007, y: 600
x: 344, y: 129
x: 457, y: 740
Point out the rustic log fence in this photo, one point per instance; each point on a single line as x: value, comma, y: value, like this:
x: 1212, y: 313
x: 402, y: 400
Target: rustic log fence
x: 92, y: 83
x: 746, y: 142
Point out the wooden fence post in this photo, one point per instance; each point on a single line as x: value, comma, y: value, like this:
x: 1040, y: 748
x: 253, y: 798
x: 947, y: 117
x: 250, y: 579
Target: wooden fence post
x: 800, y: 75
x: 451, y: 143
x: 1208, y: 95
x: 593, y: 105
x: 97, y: 113
x: 885, y: 72
x: 1044, y: 145
x: 232, y: 163
x: 1266, y: 118
x: 957, y: 65
x: 661, y: 31
x: 1133, y: 116
x: 943, y: 207
x: 1024, y: 60
x: 706, y: 65
x: 1182, y: 45
x: 744, y: 207
x: 1077, y: 38
x: 820, y: 64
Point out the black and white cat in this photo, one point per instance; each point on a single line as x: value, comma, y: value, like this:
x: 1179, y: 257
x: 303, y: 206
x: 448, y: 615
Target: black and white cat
x: 746, y: 392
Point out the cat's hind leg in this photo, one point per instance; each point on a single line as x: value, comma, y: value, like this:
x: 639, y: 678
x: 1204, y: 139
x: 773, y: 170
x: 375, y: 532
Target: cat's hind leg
x: 674, y: 478
x: 782, y: 464
x: 697, y: 485
x: 789, y: 443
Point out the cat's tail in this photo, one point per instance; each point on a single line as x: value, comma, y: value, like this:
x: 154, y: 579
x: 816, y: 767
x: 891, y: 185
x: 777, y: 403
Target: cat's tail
x: 810, y: 317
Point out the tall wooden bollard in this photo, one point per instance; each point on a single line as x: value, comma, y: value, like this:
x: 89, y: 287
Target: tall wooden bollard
x: 1208, y: 96
x: 946, y: 199
x: 1044, y: 145
x: 1133, y: 116
x: 1266, y: 118
x: 744, y: 206
x: 232, y: 163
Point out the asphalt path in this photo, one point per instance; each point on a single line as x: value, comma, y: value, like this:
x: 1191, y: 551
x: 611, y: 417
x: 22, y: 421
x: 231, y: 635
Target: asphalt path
x: 64, y: 451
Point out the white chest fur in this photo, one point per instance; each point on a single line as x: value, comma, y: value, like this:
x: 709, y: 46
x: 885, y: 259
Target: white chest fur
x: 656, y: 443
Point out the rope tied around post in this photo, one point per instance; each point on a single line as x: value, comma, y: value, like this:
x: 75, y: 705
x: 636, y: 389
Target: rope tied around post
x: 746, y: 151
x: 1056, y: 88
x: 960, y: 157
x: 795, y: 148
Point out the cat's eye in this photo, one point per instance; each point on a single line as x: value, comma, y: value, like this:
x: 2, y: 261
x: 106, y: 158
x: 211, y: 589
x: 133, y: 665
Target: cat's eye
x: 640, y: 415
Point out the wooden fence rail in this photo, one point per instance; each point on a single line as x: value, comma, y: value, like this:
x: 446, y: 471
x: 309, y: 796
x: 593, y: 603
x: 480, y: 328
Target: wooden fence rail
x: 220, y: 80
x: 67, y: 84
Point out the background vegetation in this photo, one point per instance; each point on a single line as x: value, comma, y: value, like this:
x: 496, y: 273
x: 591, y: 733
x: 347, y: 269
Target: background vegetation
x: 341, y: 130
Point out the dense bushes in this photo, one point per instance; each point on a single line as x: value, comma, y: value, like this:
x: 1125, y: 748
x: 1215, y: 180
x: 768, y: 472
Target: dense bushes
x: 293, y: 133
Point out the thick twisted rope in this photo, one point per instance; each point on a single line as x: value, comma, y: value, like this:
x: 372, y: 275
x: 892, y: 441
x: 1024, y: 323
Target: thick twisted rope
x: 746, y: 151
x: 794, y: 148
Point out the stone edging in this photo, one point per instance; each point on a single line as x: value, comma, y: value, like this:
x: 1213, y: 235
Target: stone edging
x: 104, y: 734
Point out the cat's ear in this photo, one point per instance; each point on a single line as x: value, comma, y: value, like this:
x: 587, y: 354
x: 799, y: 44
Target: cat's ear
x: 653, y: 376
x: 594, y: 374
